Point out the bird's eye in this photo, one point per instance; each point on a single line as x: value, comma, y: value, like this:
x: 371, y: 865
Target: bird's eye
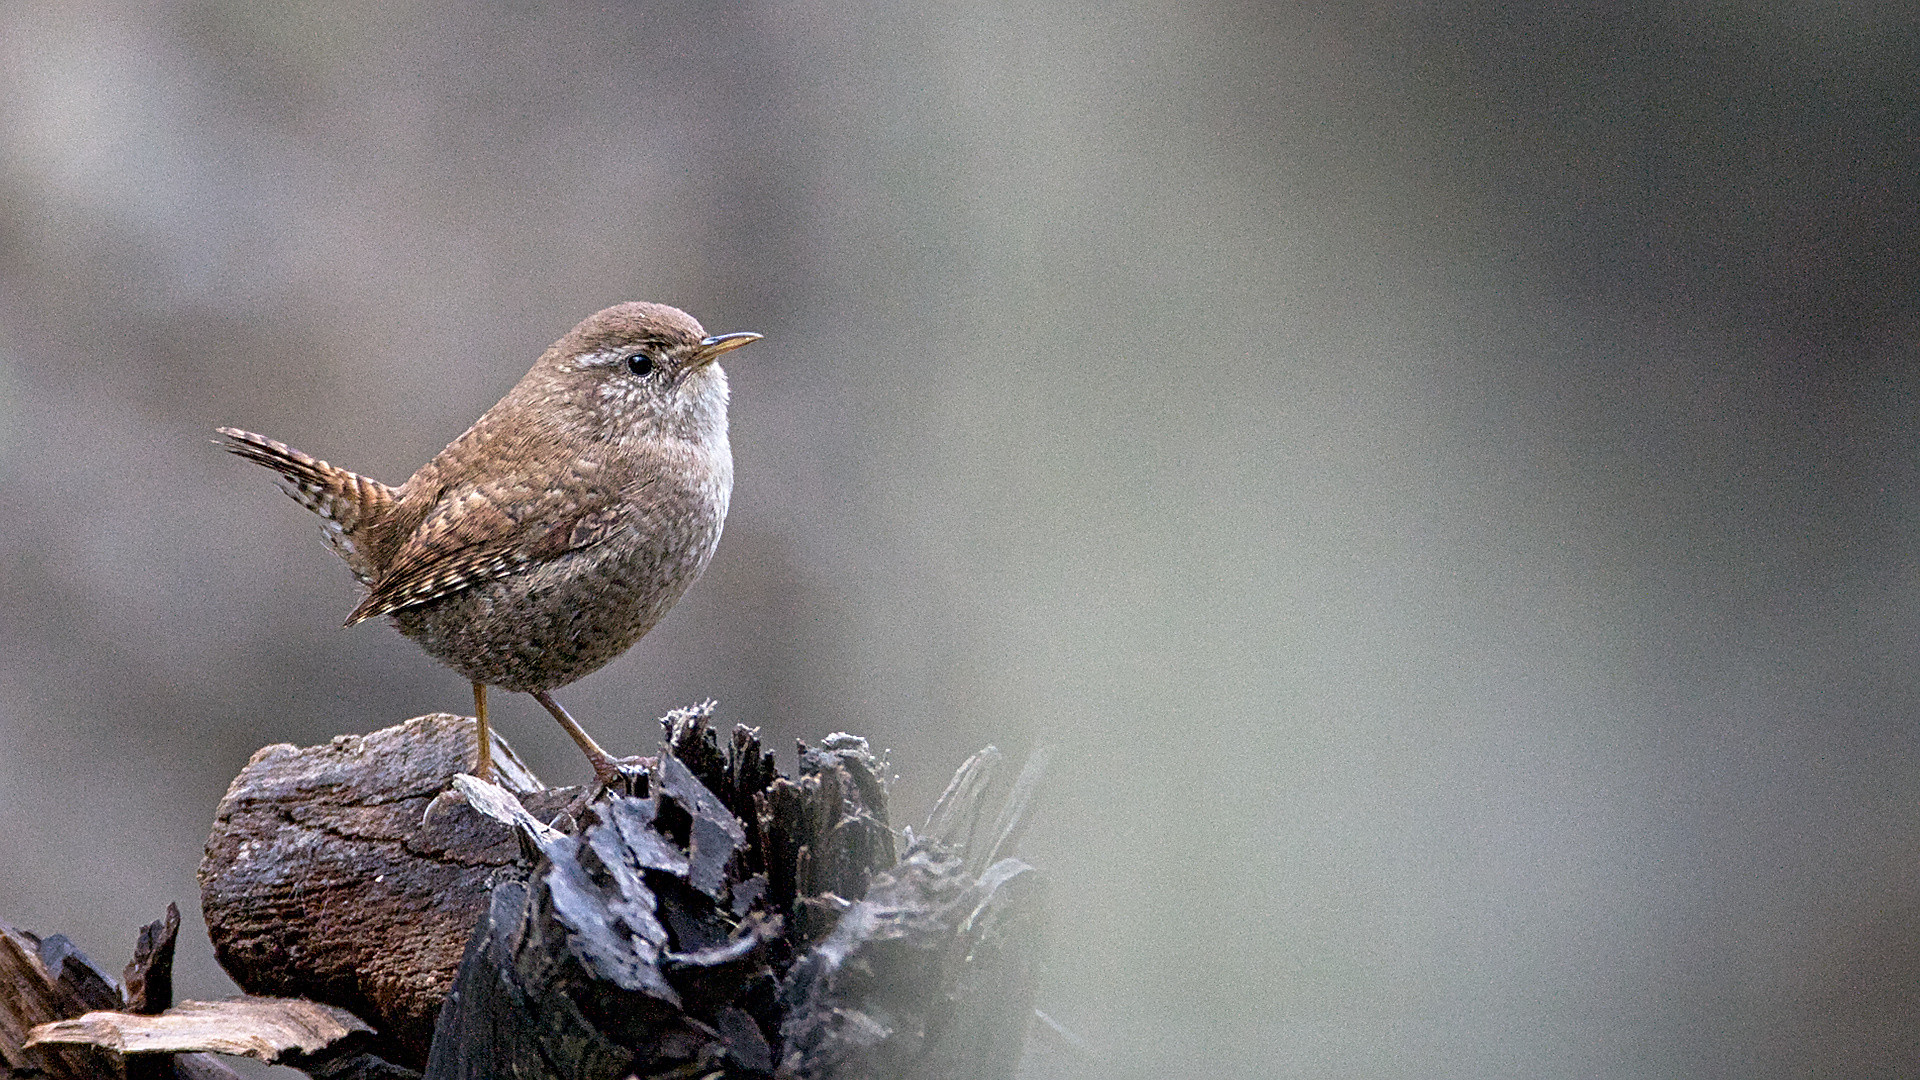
x: 640, y: 364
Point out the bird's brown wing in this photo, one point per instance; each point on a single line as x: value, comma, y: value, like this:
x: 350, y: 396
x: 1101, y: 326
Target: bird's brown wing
x: 468, y: 538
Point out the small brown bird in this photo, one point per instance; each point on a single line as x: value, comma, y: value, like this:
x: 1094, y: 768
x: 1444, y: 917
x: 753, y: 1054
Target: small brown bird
x: 560, y: 527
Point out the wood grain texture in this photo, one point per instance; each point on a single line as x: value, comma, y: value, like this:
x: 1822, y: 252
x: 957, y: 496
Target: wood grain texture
x: 325, y: 878
x: 43, y: 980
x: 271, y: 1030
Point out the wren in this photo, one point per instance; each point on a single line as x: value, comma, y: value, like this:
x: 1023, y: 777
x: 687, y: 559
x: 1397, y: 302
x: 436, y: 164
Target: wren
x: 560, y: 527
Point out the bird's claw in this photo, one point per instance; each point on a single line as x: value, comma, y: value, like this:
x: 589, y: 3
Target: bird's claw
x: 622, y: 776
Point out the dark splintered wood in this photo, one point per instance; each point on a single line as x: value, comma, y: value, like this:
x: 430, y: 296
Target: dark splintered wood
x: 825, y: 832
x: 669, y: 939
x: 633, y: 948
x: 147, y: 984
x: 737, y: 774
x: 930, y: 975
x: 325, y: 878
x: 148, y: 980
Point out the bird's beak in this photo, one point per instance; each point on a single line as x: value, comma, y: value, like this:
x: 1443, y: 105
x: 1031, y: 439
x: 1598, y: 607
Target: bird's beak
x: 711, y: 348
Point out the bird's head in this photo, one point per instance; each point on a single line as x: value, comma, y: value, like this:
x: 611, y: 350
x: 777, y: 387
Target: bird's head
x: 639, y: 370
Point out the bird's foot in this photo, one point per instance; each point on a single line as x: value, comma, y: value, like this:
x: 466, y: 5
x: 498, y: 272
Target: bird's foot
x: 619, y: 775
x: 622, y: 776
x: 451, y: 796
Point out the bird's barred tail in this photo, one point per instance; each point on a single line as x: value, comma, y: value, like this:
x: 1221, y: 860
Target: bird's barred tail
x: 345, y: 501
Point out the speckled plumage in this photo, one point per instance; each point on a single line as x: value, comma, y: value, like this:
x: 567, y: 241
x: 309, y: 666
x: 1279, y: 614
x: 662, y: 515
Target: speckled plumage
x: 560, y: 527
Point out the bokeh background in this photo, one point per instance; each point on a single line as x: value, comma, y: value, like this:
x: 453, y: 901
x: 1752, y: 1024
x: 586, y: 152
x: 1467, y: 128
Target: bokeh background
x: 1441, y: 477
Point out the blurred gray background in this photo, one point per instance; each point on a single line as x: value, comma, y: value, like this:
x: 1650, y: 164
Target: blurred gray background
x: 1442, y: 477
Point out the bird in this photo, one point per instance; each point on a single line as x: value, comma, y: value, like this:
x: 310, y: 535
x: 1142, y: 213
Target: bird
x: 551, y: 535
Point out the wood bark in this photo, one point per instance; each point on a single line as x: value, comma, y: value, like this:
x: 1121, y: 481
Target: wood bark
x: 325, y: 877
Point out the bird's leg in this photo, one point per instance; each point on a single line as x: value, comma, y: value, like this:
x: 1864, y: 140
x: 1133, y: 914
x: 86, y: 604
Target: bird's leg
x: 606, y: 768
x: 483, y: 768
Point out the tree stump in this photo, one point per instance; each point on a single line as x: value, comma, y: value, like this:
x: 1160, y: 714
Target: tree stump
x: 717, y: 920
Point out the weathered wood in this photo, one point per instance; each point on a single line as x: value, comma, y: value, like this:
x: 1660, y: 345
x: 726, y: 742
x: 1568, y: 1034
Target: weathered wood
x: 148, y: 979
x: 273, y: 1030
x: 671, y: 939
x: 147, y: 985
x: 719, y: 920
x: 930, y: 975
x: 326, y: 878
x: 45, y: 982
x: 632, y: 949
x: 42, y: 981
